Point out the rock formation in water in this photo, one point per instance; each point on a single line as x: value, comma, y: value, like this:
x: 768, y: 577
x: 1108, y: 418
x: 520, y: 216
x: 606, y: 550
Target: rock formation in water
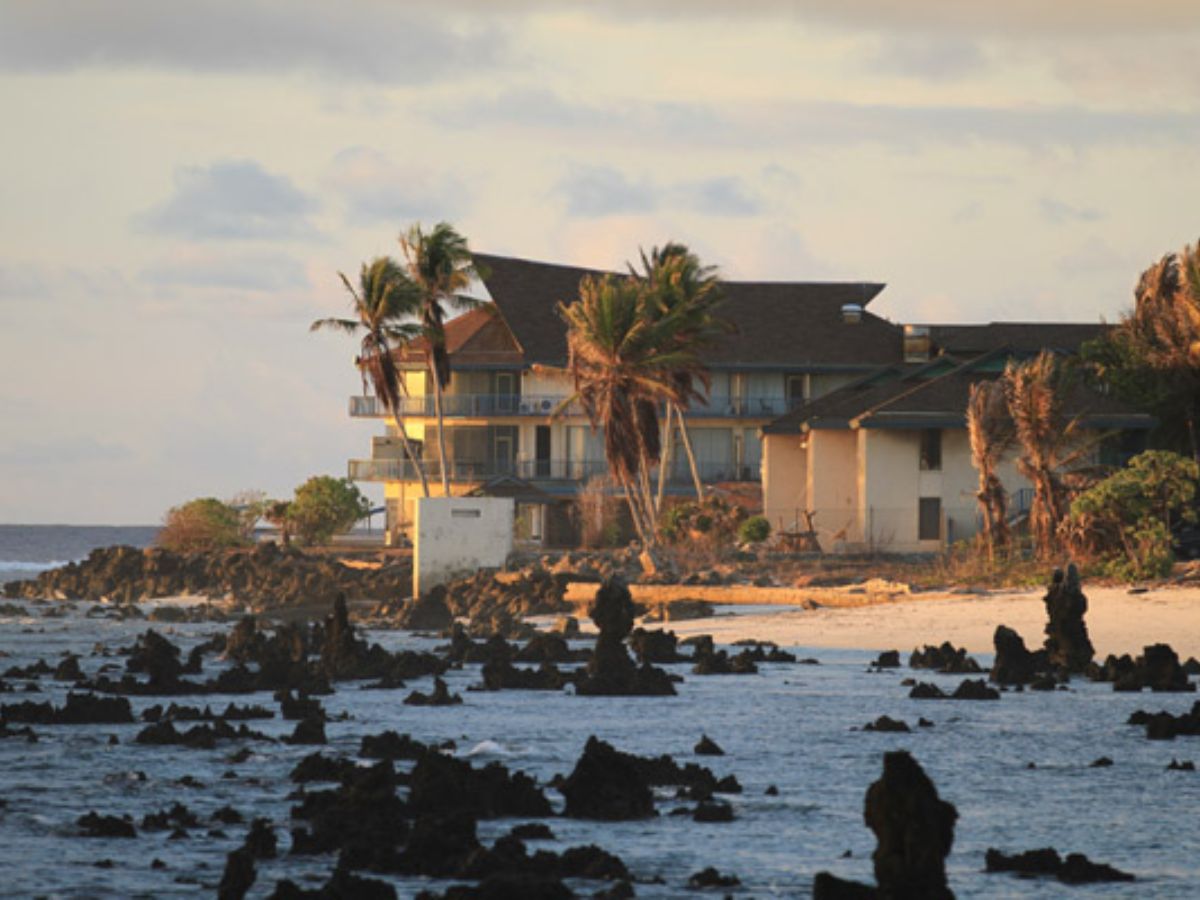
x: 1075, y: 869
x: 1014, y: 663
x: 1158, y: 668
x: 1068, y: 646
x: 606, y: 784
x: 945, y: 658
x: 264, y: 575
x: 611, y: 670
x: 914, y: 830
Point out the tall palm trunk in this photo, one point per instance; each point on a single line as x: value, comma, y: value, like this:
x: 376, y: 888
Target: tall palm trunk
x: 664, y: 466
x: 686, y: 440
x: 408, y: 448
x: 636, y: 512
x: 437, y: 407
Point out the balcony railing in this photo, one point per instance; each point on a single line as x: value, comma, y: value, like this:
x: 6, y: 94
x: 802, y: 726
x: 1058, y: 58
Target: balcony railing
x: 532, y: 470
x: 543, y: 405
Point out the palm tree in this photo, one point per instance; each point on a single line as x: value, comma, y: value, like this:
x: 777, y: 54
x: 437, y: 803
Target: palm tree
x: 384, y: 299
x: 1034, y: 391
x: 990, y: 432
x: 1165, y: 329
x: 677, y: 283
x: 439, y: 264
x: 625, y: 360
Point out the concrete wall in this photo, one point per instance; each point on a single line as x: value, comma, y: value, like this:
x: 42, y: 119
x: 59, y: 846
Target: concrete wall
x: 889, y: 487
x: 459, y: 535
x: 832, y: 486
x: 784, y: 481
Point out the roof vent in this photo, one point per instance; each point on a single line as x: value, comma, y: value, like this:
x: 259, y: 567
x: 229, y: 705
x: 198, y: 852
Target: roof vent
x: 851, y: 313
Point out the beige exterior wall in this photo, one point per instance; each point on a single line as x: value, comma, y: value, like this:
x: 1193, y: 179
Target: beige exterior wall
x: 784, y: 481
x: 543, y: 382
x: 866, y: 484
x: 832, y: 486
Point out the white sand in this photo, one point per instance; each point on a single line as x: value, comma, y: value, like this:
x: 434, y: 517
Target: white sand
x: 1117, y: 621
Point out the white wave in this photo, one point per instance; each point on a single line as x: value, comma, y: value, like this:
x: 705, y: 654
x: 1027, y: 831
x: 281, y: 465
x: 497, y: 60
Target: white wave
x: 16, y: 565
x: 489, y: 748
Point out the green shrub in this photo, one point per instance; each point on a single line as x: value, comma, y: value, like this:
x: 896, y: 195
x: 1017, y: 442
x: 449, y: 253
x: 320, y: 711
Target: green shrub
x: 202, y: 524
x: 1126, y: 519
x: 754, y: 530
x: 325, y: 506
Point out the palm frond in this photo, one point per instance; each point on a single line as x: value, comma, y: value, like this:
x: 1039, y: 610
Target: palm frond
x: 349, y: 326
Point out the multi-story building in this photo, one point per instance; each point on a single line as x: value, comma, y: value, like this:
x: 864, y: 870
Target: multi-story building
x: 507, y: 430
x: 884, y: 463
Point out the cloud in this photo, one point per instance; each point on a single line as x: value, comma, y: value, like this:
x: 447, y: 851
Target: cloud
x: 522, y: 109
x: 1092, y: 256
x: 38, y: 281
x: 599, y: 191
x: 192, y: 268
x: 376, y: 41
x: 376, y: 189
x: 235, y: 199
x: 814, y: 123
x: 74, y: 451
x: 23, y: 282
x: 726, y: 196
x: 595, y: 191
x: 971, y: 211
x: 928, y: 58
x: 1058, y: 213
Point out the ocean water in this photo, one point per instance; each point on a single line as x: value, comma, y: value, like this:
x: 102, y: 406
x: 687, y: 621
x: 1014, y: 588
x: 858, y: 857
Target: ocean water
x: 792, y: 726
x: 26, y: 550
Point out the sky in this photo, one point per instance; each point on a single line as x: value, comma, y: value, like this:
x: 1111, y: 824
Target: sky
x: 181, y: 183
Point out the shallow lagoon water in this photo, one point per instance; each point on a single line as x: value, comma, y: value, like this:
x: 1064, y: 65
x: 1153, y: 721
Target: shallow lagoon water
x: 790, y: 725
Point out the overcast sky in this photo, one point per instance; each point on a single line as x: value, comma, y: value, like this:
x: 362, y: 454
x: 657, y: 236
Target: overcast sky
x: 180, y: 184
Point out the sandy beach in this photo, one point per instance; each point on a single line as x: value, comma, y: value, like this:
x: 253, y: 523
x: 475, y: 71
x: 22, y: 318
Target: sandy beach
x: 1118, y: 621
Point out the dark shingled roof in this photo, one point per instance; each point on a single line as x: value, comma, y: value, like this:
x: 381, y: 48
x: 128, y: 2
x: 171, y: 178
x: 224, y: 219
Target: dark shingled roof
x: 780, y: 325
x: 934, y: 395
x: 1062, y: 337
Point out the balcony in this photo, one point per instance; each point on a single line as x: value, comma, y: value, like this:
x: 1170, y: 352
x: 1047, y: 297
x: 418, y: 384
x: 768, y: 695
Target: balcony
x: 489, y: 406
x: 469, y: 406
x: 474, y: 472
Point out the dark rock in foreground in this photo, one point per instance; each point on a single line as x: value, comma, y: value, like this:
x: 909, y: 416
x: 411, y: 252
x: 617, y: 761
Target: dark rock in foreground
x: 1075, y: 869
x: 607, y: 785
x: 96, y: 825
x: 1163, y: 726
x: 711, y: 878
x: 914, y: 830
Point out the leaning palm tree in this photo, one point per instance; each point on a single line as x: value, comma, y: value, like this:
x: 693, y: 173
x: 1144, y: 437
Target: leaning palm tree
x: 1165, y: 329
x: 1034, y: 391
x: 439, y: 264
x: 677, y: 283
x: 624, y: 361
x: 990, y: 432
x: 384, y: 300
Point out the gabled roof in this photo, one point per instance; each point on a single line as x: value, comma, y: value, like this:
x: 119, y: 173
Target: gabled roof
x: 780, y: 325
x: 479, y: 337
x: 1061, y: 337
x: 934, y: 395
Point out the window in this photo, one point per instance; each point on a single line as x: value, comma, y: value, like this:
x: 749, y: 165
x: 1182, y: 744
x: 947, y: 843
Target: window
x: 931, y: 450
x: 797, y: 390
x: 929, y: 519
